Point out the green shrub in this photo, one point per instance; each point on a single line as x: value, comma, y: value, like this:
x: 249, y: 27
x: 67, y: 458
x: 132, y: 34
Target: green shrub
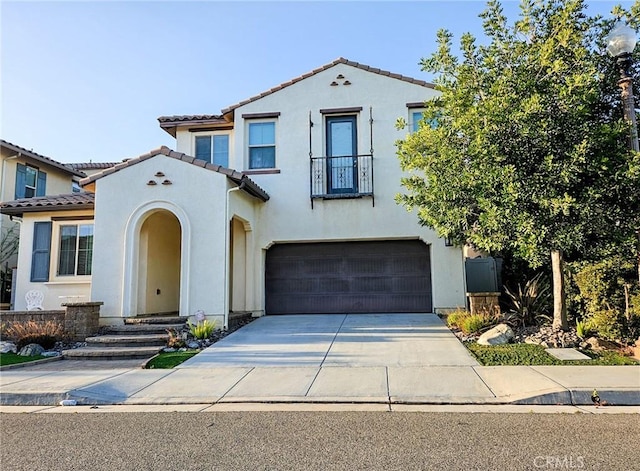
x: 602, y: 284
x: 470, y: 323
x: 476, y: 322
x: 45, y: 334
x: 584, y: 329
x: 454, y: 318
x: 607, y: 323
x: 202, y: 330
x: 608, y: 297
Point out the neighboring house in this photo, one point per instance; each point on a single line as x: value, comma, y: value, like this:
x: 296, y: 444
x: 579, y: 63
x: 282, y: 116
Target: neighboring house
x: 26, y: 174
x: 91, y: 168
x: 306, y: 224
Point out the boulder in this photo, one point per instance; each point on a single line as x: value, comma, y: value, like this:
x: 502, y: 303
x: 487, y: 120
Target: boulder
x: 31, y: 350
x: 498, y: 335
x: 6, y: 347
x: 193, y: 344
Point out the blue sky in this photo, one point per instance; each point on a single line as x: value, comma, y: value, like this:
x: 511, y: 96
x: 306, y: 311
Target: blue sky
x: 87, y: 81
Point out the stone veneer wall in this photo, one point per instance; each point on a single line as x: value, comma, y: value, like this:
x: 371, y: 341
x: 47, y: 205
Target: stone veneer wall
x: 484, y: 302
x: 79, y: 320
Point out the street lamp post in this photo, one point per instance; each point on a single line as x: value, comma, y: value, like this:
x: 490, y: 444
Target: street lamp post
x: 621, y: 42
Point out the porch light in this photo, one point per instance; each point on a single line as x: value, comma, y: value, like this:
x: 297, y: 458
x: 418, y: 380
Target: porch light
x: 621, y: 40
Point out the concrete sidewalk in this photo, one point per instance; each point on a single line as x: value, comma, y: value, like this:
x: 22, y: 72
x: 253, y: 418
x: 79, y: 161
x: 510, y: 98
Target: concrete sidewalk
x: 365, y: 359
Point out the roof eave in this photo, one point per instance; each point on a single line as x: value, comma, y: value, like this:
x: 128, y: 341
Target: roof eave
x: 19, y: 211
x: 41, y: 158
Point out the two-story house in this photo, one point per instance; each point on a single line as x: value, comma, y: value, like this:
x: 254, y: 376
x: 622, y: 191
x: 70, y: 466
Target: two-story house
x: 307, y: 223
x: 25, y: 174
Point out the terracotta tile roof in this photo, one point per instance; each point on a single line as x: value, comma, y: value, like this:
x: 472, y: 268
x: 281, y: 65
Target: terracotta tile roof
x: 48, y: 203
x: 239, y: 178
x: 40, y: 158
x: 168, y: 123
x: 92, y: 165
x: 205, y: 118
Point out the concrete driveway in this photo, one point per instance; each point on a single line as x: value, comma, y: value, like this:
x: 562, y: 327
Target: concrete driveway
x: 339, y: 340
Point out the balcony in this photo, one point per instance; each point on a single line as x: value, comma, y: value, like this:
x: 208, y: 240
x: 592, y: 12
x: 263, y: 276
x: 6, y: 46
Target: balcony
x: 340, y: 177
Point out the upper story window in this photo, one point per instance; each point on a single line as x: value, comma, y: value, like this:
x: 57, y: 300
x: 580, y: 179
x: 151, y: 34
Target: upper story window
x: 213, y: 148
x: 262, y: 145
x: 30, y: 182
x: 416, y: 117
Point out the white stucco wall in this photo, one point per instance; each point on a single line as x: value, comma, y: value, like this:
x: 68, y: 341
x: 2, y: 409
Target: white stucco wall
x: 56, y: 288
x: 197, y: 198
x: 288, y: 217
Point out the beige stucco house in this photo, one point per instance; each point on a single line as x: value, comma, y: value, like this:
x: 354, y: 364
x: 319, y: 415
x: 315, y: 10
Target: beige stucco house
x: 25, y: 174
x: 306, y: 223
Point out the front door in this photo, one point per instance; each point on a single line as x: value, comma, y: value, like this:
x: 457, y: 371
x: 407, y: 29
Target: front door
x: 342, y: 154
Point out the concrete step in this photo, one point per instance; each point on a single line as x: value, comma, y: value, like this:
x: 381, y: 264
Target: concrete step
x: 132, y: 340
x: 155, y: 320
x: 143, y: 329
x: 110, y: 353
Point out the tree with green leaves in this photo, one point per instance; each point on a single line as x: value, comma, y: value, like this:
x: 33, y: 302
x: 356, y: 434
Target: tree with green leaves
x: 525, y: 149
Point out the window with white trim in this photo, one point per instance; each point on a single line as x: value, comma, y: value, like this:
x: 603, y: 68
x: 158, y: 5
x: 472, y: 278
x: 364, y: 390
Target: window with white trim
x: 30, y: 182
x: 213, y: 148
x: 262, y: 144
x: 75, y: 249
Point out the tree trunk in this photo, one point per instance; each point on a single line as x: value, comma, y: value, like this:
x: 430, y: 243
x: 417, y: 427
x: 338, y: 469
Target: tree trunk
x: 559, y: 295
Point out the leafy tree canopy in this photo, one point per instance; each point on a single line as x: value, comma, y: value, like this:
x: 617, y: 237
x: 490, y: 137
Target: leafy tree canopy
x: 526, y: 147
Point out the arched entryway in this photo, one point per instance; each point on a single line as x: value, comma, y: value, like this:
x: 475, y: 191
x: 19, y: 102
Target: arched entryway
x: 159, y: 264
x: 156, y: 271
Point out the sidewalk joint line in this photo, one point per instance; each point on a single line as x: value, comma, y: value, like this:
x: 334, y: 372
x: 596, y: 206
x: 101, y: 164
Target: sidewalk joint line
x: 235, y: 384
x: 484, y: 382
x: 333, y: 340
x: 325, y: 356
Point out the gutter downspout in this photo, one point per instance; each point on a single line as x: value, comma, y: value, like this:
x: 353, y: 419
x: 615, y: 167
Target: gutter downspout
x: 227, y: 258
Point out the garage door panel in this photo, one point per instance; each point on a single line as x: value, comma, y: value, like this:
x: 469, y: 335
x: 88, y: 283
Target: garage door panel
x: 349, y: 277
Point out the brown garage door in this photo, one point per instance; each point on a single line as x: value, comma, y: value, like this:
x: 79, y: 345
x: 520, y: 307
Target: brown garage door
x: 348, y: 277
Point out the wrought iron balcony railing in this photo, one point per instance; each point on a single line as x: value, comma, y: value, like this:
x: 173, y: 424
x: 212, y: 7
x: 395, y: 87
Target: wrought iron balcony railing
x: 348, y: 176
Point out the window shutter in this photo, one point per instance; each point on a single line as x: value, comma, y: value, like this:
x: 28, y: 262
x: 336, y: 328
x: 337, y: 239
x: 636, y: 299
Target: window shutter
x: 41, y: 187
x: 21, y: 180
x: 41, y: 251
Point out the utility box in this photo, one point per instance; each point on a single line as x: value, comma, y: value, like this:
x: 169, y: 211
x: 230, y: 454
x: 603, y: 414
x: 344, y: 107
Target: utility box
x: 482, y: 275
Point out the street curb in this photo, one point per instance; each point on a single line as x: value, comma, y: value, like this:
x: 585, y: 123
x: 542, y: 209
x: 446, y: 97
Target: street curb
x: 610, y: 398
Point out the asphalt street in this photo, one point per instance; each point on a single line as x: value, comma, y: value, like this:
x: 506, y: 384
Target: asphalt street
x: 318, y: 441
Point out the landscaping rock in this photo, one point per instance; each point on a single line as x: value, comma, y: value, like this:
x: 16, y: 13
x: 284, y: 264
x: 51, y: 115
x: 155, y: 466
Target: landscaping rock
x: 548, y: 337
x: 6, y: 347
x: 193, y: 345
x: 31, y: 350
x: 169, y: 350
x: 599, y: 345
x: 499, y: 335
x: 50, y: 354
